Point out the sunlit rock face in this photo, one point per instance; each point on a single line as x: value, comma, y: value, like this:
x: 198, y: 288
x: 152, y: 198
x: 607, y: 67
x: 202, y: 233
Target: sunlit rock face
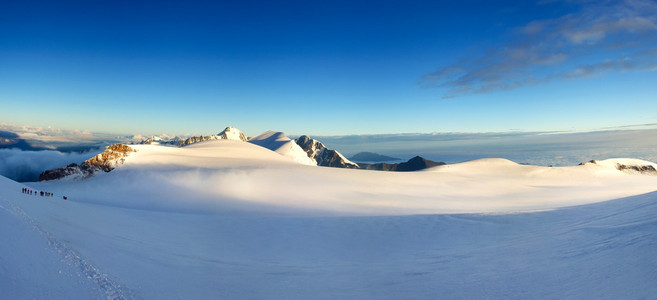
x: 106, y: 161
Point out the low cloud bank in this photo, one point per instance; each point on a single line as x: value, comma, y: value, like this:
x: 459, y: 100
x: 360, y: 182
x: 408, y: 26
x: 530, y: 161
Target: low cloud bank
x: 25, y: 166
x: 536, y: 148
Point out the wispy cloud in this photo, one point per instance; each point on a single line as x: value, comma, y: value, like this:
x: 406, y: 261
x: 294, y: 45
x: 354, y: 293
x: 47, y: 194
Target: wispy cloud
x: 600, y: 37
x: 49, y: 134
x: 52, y: 138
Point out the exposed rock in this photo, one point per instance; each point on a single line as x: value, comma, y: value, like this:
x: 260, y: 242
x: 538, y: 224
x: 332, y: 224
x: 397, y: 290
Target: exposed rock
x: 588, y: 162
x: 648, y: 169
x: 197, y: 139
x: 323, y: 156
x: 413, y: 164
x: 72, y: 171
x: 106, y: 161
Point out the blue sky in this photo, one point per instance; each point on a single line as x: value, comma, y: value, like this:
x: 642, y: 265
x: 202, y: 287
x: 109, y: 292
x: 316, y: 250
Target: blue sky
x: 328, y: 68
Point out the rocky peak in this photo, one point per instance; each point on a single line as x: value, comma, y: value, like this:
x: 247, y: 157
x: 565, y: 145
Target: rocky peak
x: 232, y: 133
x: 113, y: 156
x: 323, y: 156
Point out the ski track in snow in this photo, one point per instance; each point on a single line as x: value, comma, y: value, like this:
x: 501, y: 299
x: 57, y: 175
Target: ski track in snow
x: 110, y: 288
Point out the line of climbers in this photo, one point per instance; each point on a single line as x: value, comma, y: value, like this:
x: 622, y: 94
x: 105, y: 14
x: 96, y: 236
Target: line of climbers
x: 39, y: 193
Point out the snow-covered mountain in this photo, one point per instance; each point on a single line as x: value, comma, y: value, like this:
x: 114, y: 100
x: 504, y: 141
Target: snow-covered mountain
x: 113, y: 156
x: 323, y: 156
x: 230, y: 133
x: 158, y: 140
x: 281, y: 144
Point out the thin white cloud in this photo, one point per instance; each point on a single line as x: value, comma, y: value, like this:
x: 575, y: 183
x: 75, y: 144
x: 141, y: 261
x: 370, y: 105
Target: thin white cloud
x: 49, y: 134
x: 598, y: 38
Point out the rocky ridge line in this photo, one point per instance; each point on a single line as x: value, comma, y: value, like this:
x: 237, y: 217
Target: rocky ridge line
x: 113, y: 156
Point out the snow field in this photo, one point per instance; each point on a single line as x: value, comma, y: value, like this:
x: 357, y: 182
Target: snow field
x: 228, y: 219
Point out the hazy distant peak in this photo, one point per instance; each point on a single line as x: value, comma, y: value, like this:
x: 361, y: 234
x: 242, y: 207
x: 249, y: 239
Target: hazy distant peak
x: 371, y: 156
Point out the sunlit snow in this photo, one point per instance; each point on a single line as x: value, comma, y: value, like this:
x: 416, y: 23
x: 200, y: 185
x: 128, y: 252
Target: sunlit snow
x: 230, y: 219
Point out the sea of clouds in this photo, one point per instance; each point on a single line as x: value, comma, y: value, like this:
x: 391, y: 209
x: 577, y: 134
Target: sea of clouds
x: 25, y: 166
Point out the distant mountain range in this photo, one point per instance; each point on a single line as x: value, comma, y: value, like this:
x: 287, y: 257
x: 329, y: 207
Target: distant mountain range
x: 414, y: 164
x: 371, y: 157
x: 304, y: 150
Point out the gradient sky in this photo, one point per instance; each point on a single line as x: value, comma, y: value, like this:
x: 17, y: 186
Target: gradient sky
x: 328, y: 67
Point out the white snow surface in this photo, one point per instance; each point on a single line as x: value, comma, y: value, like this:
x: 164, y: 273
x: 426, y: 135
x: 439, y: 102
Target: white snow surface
x: 231, y: 220
x: 281, y: 144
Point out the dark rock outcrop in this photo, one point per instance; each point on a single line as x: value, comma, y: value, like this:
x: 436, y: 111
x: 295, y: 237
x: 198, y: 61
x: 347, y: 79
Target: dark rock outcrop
x: 648, y: 169
x: 106, y: 161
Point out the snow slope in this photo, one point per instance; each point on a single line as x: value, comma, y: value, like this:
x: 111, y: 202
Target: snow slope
x: 601, y: 251
x: 228, y: 219
x: 226, y: 175
x: 36, y: 265
x: 281, y: 144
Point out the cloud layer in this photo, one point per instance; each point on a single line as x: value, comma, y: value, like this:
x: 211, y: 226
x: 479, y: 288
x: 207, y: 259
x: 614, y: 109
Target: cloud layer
x: 536, y: 148
x: 24, y: 166
x: 599, y: 37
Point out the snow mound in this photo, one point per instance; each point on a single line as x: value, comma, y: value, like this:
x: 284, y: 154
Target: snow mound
x: 227, y: 175
x: 281, y: 144
x: 59, y: 249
